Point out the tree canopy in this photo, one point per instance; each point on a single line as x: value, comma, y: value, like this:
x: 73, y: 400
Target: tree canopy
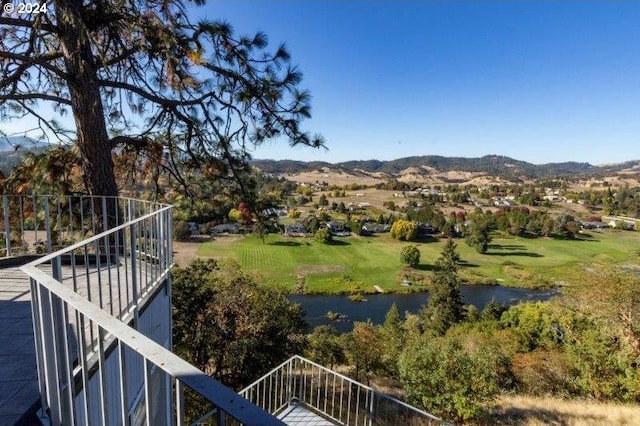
x: 229, y: 326
x: 141, y: 76
x: 445, y: 307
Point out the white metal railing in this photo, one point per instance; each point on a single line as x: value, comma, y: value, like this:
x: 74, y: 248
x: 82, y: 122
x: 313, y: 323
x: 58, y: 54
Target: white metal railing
x: 299, y: 381
x: 40, y: 224
x: 87, y: 300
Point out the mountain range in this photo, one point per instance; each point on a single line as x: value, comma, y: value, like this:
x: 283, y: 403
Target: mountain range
x: 494, y: 165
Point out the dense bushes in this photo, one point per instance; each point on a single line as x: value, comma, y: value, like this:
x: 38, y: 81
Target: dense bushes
x: 404, y: 230
x: 323, y: 235
x: 410, y: 255
x: 444, y: 377
x: 181, y: 231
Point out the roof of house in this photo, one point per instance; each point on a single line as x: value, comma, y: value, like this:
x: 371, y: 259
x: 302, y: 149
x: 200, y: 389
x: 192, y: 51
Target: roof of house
x: 225, y: 227
x: 296, y: 227
x: 376, y: 227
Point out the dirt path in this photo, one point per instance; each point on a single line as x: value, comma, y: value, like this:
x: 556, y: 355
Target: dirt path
x: 185, y: 252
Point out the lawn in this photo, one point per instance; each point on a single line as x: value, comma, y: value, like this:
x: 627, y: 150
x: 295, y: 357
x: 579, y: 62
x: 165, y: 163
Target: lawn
x: 358, y: 263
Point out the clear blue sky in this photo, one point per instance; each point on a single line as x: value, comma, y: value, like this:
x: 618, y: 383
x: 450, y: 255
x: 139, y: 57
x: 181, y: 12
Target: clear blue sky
x: 537, y: 81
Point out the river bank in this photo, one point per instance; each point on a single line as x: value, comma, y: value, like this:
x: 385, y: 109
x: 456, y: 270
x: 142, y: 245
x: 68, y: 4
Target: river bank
x: 375, y: 306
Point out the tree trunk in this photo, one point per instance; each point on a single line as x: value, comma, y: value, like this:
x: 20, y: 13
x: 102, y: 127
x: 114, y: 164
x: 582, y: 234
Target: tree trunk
x: 87, y: 107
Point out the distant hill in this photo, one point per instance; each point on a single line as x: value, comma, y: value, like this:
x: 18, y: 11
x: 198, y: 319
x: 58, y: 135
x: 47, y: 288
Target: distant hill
x: 16, y: 143
x: 12, y: 150
x: 494, y: 165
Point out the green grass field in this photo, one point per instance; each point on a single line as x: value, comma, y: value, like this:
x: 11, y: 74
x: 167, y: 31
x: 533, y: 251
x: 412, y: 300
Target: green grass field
x: 358, y: 263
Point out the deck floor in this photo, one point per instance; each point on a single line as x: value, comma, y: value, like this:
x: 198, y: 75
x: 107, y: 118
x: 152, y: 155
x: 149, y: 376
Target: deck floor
x: 18, y: 372
x: 19, y: 390
x: 298, y: 415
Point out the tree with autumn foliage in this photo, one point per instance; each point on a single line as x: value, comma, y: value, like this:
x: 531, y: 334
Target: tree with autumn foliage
x: 141, y: 78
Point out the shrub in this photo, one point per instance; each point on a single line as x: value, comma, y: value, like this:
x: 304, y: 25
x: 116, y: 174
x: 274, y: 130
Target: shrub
x: 207, y: 228
x: 294, y: 213
x: 404, y: 230
x: 181, y: 231
x: 324, y: 236
x: 445, y: 378
x: 410, y: 255
x: 543, y: 372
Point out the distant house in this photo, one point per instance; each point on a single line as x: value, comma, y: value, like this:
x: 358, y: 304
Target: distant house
x: 593, y: 225
x: 226, y: 228
x: 375, y: 228
x: 296, y: 229
x: 503, y: 202
x: 194, y: 228
x: 338, y: 229
x: 425, y: 229
x: 273, y: 212
x: 622, y: 222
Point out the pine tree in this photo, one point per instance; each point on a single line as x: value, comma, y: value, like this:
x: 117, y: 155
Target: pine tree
x: 445, y: 306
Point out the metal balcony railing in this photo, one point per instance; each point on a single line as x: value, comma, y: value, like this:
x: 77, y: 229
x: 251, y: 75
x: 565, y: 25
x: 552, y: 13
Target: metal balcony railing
x: 87, y: 298
x: 299, y: 381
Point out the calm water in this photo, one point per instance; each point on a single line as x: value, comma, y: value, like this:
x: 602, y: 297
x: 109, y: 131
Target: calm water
x: 377, y: 305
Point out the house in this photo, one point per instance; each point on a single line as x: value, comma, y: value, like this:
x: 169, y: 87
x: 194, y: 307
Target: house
x: 503, y: 202
x: 296, y: 229
x: 375, y: 228
x: 425, y: 229
x: 338, y: 229
x: 226, y: 228
x: 194, y: 228
x: 273, y: 212
x: 593, y: 225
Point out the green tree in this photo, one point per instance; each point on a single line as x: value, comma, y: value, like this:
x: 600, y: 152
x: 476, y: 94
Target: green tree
x: 229, y: 326
x: 404, y: 230
x: 322, y: 200
x: 53, y: 171
x: 443, y: 377
x: 181, y: 231
x: 199, y: 91
x: 364, y: 350
x: 293, y: 213
x: 236, y: 215
x: 445, y: 307
x: 410, y: 255
x: 393, y: 340
x: 325, y: 346
x: 479, y: 233
x: 323, y: 235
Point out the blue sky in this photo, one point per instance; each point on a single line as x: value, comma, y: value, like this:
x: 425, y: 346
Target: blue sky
x: 537, y: 81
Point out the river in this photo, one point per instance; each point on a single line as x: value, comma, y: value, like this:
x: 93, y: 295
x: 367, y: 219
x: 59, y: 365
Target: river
x: 377, y: 305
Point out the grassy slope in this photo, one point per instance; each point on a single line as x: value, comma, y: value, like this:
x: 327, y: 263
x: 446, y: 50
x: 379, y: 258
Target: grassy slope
x: 375, y: 260
x: 538, y: 411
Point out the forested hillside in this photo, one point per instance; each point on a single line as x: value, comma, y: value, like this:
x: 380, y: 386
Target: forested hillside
x: 494, y: 165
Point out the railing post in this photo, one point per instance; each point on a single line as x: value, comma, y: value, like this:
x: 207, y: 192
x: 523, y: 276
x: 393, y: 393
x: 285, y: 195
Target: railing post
x: 50, y: 367
x: 38, y: 340
x: 179, y: 403
x: 371, y: 412
x: 7, y: 228
x: 47, y: 223
x: 290, y: 382
x: 134, y: 274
